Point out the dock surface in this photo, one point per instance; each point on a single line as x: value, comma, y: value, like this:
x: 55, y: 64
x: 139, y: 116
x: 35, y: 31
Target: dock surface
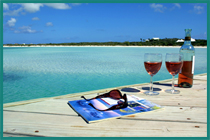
x: 184, y: 115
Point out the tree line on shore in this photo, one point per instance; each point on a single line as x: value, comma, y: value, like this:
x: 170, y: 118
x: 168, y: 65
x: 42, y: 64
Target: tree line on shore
x: 150, y: 42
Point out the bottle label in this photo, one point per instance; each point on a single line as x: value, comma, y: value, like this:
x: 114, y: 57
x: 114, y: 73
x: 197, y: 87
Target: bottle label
x: 193, y: 64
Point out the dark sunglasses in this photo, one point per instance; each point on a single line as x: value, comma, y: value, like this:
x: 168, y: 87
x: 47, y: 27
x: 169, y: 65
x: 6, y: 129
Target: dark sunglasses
x: 114, y: 94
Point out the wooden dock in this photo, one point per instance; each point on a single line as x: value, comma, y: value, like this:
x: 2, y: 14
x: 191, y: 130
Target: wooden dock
x: 184, y: 115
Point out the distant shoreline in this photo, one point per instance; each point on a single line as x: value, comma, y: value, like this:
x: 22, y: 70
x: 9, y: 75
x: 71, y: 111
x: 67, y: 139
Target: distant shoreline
x: 97, y: 46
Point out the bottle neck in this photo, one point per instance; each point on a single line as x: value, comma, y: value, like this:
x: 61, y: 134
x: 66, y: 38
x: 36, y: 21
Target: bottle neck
x: 187, y: 41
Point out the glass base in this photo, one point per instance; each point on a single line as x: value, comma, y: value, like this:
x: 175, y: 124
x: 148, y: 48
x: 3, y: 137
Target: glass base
x: 151, y: 93
x: 172, y: 91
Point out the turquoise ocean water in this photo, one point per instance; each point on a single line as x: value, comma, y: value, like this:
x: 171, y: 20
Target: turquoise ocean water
x: 30, y: 73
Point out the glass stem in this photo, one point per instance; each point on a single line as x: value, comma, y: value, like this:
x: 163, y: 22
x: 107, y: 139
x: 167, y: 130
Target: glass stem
x: 151, y: 84
x: 173, y: 84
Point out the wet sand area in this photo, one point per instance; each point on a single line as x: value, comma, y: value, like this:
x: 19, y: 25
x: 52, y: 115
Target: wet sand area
x: 184, y: 115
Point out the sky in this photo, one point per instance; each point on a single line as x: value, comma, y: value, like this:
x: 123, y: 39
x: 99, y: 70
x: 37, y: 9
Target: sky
x: 101, y: 22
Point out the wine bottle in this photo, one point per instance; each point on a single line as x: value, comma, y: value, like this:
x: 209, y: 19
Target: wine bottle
x: 185, y: 78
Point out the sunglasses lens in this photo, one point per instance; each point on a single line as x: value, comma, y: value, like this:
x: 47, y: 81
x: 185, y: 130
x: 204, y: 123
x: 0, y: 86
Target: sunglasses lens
x: 115, y: 94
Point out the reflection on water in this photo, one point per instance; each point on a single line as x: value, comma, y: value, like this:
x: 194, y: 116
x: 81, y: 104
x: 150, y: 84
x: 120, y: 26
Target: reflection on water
x: 11, y: 77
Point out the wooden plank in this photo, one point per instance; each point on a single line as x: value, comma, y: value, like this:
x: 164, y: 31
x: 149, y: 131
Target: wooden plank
x: 174, y: 114
x: 185, y: 115
x: 7, y: 134
x: 51, y: 106
x: 169, y: 113
x: 72, y: 126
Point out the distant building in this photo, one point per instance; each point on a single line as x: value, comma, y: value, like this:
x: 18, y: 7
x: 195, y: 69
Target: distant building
x: 155, y: 38
x: 192, y: 40
x: 181, y: 40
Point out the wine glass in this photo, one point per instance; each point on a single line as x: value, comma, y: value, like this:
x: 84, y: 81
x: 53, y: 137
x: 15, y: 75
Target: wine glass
x: 174, y: 63
x: 152, y: 63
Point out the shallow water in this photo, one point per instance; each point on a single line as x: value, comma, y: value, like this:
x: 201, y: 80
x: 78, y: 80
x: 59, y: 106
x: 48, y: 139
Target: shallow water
x: 30, y: 73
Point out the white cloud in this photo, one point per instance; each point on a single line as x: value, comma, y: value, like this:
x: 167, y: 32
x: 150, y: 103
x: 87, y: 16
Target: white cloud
x: 28, y: 7
x: 205, y: 34
x: 177, y: 5
x: 58, y: 5
x: 35, y: 18
x: 13, y: 13
x: 158, y: 7
x: 25, y: 29
x: 76, y: 4
x: 49, y: 24
x: 198, y: 9
x: 32, y: 7
x: 5, y: 6
x: 11, y: 22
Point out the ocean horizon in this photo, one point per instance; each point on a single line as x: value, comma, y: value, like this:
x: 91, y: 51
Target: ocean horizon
x: 38, y: 72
